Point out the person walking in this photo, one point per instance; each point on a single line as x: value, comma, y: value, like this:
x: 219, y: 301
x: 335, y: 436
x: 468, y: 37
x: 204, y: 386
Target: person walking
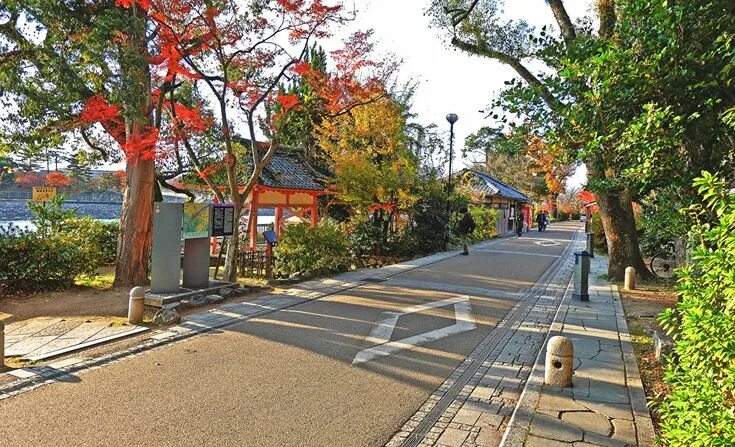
x: 465, y: 227
x: 541, y: 221
x: 519, y: 223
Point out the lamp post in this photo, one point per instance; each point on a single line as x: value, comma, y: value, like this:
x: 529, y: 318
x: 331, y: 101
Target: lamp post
x: 452, y: 118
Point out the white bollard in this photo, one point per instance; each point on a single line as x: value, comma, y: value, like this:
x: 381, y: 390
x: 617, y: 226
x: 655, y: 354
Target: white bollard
x: 136, y: 306
x: 629, y: 278
x: 559, y: 362
x: 2, y: 345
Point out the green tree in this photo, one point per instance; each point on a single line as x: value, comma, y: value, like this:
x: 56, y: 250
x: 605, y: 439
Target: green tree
x: 638, y: 100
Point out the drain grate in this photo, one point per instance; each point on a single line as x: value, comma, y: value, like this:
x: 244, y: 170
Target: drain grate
x: 374, y: 280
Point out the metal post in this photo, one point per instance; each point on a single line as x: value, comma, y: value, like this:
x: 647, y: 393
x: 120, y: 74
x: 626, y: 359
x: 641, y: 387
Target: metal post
x: 2, y: 345
x: 136, y: 305
x: 591, y: 244
x: 581, y: 275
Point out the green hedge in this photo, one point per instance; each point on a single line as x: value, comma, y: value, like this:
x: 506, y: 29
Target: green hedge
x: 306, y: 249
x: 61, y: 249
x: 31, y: 262
x: 701, y: 409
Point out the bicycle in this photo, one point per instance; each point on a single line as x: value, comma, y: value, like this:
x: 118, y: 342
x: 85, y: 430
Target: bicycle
x: 663, y: 262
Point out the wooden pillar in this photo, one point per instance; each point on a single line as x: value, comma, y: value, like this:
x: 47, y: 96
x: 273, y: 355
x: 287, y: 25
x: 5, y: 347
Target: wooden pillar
x: 254, y: 221
x: 279, y: 219
x: 314, y: 213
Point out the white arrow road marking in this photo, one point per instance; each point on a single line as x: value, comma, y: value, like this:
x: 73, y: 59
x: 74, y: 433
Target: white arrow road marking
x: 383, y: 330
x: 510, y: 252
x: 546, y: 243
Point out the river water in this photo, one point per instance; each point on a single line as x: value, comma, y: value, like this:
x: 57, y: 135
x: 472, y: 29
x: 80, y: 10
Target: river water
x: 18, y: 213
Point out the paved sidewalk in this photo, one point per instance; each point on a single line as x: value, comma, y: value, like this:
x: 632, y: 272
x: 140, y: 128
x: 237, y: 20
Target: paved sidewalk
x: 607, y: 405
x: 41, y: 338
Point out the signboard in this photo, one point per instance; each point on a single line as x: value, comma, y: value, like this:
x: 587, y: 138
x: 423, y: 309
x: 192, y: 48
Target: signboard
x: 196, y: 220
x: 223, y: 220
x: 43, y: 193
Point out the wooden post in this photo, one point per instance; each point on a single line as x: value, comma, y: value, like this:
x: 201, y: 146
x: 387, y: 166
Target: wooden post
x: 314, y: 216
x: 254, y: 220
x: 279, y: 218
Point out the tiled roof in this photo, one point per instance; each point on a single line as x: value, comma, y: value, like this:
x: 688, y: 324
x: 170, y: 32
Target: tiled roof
x: 287, y: 169
x: 490, y: 186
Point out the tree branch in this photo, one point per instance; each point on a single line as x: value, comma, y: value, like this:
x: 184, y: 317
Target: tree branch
x: 606, y: 11
x: 568, y: 33
x: 513, y: 62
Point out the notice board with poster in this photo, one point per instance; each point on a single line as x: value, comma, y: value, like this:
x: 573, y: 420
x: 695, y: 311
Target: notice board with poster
x: 43, y: 193
x: 223, y: 219
x: 196, y: 220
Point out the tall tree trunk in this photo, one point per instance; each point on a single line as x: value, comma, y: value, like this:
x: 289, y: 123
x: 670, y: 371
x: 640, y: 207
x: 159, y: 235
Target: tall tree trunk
x: 616, y: 212
x: 233, y: 245
x: 136, y: 223
x: 134, y: 241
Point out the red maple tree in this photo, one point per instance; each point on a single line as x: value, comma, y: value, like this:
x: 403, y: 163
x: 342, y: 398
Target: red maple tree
x: 56, y: 178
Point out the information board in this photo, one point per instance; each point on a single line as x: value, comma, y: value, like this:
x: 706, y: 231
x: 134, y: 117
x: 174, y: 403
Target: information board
x: 43, y: 193
x: 196, y: 220
x: 223, y: 220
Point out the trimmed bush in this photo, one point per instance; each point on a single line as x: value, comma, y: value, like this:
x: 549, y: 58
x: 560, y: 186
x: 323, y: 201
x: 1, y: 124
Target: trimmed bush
x: 485, y: 219
x: 306, y: 249
x: 30, y: 262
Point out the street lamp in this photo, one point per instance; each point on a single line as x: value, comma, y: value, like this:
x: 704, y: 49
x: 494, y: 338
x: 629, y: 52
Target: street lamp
x: 452, y: 118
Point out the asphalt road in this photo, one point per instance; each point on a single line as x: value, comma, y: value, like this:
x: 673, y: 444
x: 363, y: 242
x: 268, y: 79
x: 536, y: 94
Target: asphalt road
x: 288, y: 378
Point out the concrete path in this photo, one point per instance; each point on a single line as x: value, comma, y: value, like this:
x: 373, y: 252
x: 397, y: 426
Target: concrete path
x: 344, y: 361
x: 42, y: 338
x: 607, y: 405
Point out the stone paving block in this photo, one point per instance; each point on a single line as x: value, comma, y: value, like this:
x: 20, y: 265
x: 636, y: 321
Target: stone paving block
x: 452, y: 437
x: 59, y: 329
x: 535, y: 441
x: 548, y: 427
x: 588, y: 421
x: 609, y: 410
x: 489, y: 437
x: 599, y: 440
x: 624, y: 431
x: 558, y: 402
x: 608, y: 392
x: 30, y: 344
x: 482, y: 392
x: 482, y: 407
x: 32, y: 327
x: 466, y: 416
x: 490, y: 420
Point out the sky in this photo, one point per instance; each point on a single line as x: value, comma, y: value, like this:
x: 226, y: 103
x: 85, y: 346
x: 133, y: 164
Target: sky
x: 450, y: 81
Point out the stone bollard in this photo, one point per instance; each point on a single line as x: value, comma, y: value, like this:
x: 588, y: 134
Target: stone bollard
x: 559, y: 362
x: 2, y: 345
x: 136, y: 306
x: 581, y: 275
x: 629, y: 278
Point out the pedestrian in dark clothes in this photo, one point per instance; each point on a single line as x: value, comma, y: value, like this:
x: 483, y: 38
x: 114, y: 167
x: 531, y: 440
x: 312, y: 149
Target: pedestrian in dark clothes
x: 465, y: 227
